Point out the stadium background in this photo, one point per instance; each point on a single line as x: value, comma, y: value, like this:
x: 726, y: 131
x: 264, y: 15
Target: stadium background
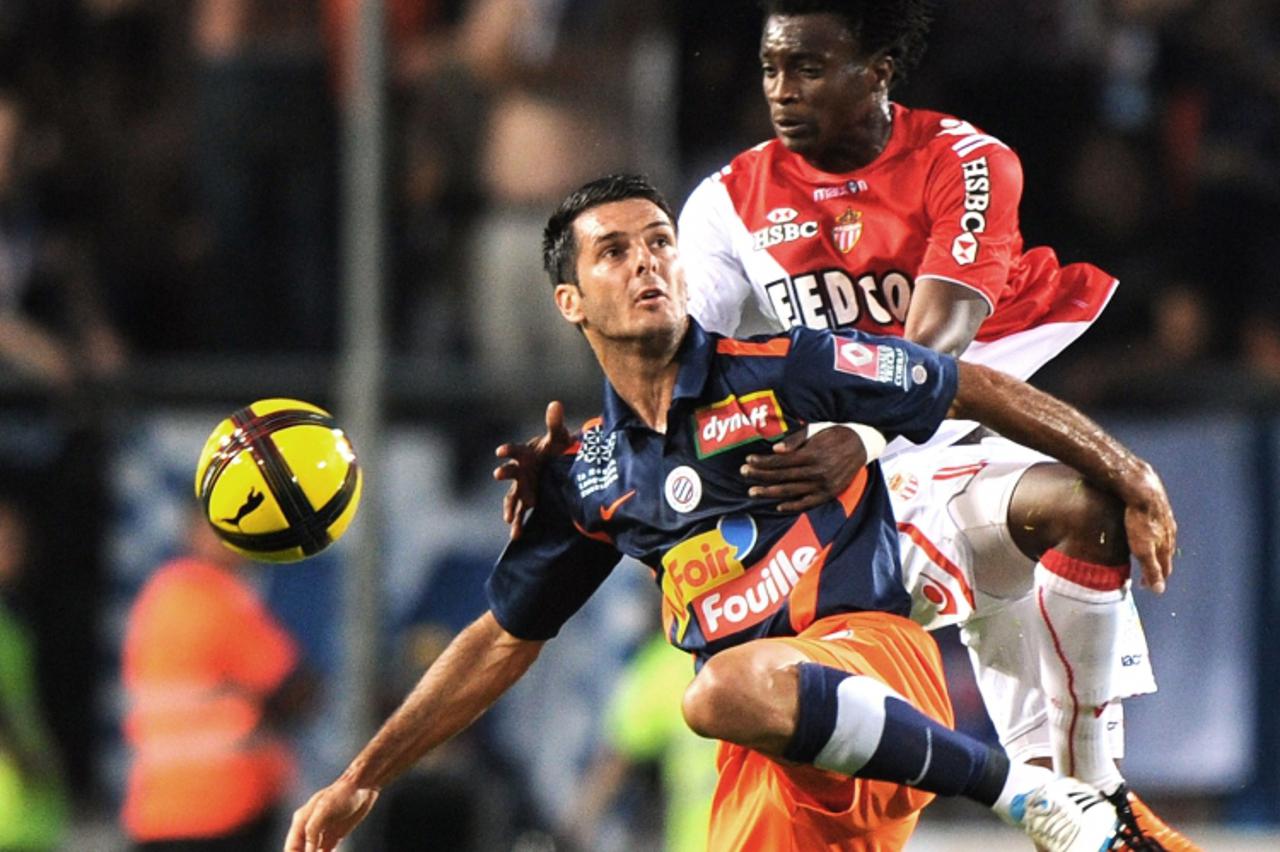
x: 189, y: 205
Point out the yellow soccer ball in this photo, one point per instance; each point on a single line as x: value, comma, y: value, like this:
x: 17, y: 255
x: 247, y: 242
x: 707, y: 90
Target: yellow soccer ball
x: 278, y: 480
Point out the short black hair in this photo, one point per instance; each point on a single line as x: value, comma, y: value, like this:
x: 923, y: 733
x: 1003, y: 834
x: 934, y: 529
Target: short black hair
x: 559, y: 249
x: 896, y: 28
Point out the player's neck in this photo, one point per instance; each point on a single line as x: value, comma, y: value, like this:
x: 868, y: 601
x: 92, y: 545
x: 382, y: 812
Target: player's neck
x: 644, y: 377
x: 860, y: 147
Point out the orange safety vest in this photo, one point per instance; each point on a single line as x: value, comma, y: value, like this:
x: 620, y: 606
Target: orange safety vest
x: 201, y: 654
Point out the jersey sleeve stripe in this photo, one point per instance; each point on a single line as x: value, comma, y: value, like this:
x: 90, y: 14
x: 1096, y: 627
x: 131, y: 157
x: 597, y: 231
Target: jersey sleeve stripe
x: 777, y: 347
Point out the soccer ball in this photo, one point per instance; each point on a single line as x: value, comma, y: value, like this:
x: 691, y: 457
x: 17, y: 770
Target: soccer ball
x: 278, y: 480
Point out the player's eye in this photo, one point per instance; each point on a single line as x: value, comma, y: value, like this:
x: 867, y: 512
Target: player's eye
x: 768, y: 70
x: 811, y: 72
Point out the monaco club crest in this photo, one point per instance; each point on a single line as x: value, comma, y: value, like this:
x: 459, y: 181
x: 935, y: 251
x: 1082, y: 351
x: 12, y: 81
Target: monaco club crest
x: 847, y: 230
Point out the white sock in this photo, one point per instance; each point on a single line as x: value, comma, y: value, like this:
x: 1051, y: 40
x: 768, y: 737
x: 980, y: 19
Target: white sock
x: 1023, y: 778
x: 1080, y: 607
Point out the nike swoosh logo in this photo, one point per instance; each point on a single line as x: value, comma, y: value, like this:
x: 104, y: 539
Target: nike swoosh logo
x: 606, y: 512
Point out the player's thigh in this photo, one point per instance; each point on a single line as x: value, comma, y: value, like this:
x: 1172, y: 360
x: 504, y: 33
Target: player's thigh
x: 952, y: 506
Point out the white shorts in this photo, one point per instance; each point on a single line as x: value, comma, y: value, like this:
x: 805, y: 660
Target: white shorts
x: 952, y: 505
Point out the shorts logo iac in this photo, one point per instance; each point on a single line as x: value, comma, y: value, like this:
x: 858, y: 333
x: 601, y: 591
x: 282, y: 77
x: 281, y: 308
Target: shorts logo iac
x: 870, y: 361
x: 683, y: 489
x: 738, y: 420
x: 701, y: 563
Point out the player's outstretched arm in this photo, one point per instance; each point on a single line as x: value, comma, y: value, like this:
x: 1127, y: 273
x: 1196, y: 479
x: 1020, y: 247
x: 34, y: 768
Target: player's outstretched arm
x: 1035, y: 419
x: 479, y: 665
x: 524, y: 464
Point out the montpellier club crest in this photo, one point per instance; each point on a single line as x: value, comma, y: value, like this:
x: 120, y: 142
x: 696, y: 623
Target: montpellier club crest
x: 847, y: 230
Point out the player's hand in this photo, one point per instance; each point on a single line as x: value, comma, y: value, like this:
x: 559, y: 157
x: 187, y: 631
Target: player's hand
x: 806, y: 472
x: 329, y: 816
x: 1152, y: 530
x: 523, y: 466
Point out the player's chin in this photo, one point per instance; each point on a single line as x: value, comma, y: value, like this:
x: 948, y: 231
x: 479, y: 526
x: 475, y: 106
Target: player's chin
x: 800, y: 139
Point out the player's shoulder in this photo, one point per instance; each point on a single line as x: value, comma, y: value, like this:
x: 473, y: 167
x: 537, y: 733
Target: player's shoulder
x: 745, y: 167
x: 945, y: 135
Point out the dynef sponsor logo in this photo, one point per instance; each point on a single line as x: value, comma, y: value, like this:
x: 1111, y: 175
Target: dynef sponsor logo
x: 737, y: 420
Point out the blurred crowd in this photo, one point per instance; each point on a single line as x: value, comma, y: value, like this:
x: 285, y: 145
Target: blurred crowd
x: 169, y: 172
x: 170, y: 185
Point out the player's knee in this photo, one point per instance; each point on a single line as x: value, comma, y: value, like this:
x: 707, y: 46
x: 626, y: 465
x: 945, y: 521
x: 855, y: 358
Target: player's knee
x: 1054, y: 508
x: 741, y: 697
x: 699, y: 701
x: 1095, y: 528
x: 707, y: 698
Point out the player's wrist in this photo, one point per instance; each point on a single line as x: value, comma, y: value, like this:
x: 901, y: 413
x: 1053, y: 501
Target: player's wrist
x: 873, y: 440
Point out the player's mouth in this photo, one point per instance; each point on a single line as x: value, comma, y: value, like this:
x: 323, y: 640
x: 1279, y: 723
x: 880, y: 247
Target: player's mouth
x: 650, y: 296
x: 791, y: 126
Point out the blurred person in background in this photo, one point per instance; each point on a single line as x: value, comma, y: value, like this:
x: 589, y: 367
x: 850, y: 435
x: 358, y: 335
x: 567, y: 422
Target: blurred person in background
x: 54, y: 330
x: 643, y: 727
x: 265, y: 164
x: 552, y: 121
x: 210, y: 678
x: 33, y: 803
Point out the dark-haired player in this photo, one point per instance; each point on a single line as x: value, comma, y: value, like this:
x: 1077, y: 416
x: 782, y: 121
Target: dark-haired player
x: 829, y: 701
x: 865, y: 214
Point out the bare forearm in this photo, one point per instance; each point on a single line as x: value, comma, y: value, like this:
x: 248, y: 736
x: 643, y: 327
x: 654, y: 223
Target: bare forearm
x: 1037, y: 420
x: 472, y: 673
x: 944, y: 316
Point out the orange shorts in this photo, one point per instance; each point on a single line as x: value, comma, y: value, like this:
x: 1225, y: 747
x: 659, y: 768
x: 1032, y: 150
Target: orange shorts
x: 763, y: 805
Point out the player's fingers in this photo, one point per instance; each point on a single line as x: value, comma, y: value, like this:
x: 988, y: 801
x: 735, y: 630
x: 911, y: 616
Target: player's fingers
x: 555, y: 419
x: 783, y: 491
x: 1152, y: 572
x: 772, y: 475
x: 776, y: 462
x: 296, y: 839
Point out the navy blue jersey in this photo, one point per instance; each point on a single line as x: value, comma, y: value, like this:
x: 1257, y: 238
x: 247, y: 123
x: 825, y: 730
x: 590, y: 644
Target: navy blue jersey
x: 731, y: 567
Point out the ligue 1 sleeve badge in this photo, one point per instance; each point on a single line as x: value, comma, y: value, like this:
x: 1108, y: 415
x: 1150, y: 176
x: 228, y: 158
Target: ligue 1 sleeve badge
x: 683, y: 489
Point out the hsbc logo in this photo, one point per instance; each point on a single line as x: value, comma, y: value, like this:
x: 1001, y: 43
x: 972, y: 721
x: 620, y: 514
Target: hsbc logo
x: 964, y: 248
x: 781, y: 215
x: 973, y: 220
x: 787, y: 232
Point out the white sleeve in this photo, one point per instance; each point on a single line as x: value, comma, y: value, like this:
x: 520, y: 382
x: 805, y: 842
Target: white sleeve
x: 718, y: 283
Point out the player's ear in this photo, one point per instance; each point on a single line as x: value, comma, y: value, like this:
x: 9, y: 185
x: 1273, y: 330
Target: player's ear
x: 569, y: 301
x: 882, y: 71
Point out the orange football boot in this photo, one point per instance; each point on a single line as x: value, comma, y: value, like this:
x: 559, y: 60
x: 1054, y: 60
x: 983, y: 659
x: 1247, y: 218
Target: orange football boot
x: 1142, y: 830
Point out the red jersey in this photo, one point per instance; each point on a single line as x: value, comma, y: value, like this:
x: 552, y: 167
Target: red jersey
x: 837, y: 250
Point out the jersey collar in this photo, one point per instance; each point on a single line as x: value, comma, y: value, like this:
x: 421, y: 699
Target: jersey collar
x: 696, y: 351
